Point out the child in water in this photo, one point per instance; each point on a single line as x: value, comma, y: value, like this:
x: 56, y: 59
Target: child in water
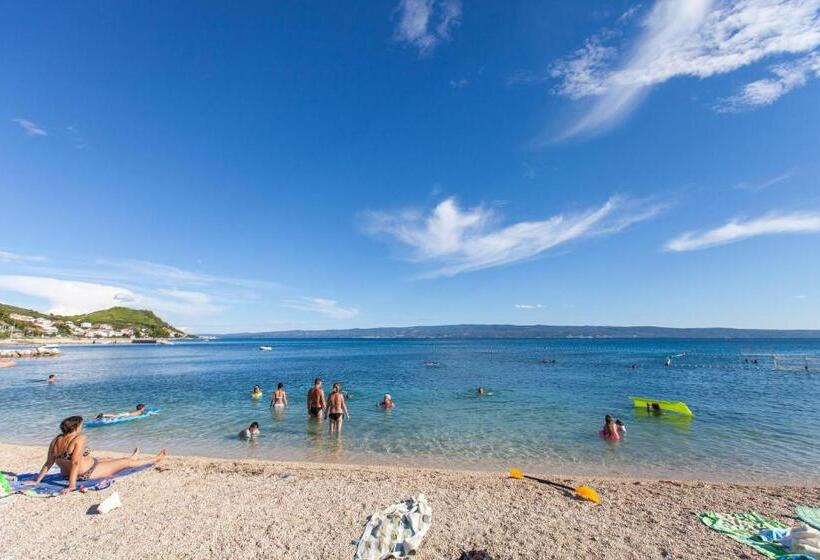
x: 610, y: 429
x: 620, y: 427
x: 250, y: 432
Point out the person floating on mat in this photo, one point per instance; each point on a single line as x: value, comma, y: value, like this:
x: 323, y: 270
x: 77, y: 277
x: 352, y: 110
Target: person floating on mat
x: 336, y: 410
x: 69, y: 452
x: 139, y: 410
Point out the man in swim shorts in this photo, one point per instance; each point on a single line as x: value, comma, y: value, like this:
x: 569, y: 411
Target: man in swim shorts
x: 316, y: 399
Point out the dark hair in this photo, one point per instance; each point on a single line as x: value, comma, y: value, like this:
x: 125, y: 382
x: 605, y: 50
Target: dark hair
x: 280, y: 385
x: 51, y: 375
x: 607, y: 418
x: 254, y: 425
x: 317, y: 380
x: 70, y: 424
x: 140, y: 406
x: 337, y: 387
x: 618, y: 421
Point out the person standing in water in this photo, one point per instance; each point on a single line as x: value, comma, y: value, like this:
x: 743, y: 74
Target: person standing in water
x: 279, y: 399
x: 316, y: 399
x: 52, y: 378
x: 336, y: 410
x: 387, y: 402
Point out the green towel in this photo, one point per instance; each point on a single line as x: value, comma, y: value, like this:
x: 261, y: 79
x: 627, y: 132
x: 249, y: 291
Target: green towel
x: 810, y: 516
x: 744, y: 527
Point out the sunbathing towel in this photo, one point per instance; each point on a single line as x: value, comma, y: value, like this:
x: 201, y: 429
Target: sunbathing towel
x: 54, y: 482
x: 395, y: 532
x: 810, y: 516
x: 744, y: 528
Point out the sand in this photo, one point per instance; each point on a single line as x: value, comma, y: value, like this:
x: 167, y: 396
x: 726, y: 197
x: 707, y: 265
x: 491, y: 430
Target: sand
x: 214, y: 508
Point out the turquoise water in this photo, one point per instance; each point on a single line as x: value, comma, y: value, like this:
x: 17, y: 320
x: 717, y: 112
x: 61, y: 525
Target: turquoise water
x: 752, y: 422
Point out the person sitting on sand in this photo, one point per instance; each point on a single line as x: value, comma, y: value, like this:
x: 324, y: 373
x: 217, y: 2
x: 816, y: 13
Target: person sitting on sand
x: 250, y: 432
x: 387, y: 402
x: 316, y: 399
x: 610, y: 430
x: 336, y: 410
x: 620, y: 427
x: 279, y: 399
x: 52, y: 378
x: 139, y: 410
x: 68, y: 450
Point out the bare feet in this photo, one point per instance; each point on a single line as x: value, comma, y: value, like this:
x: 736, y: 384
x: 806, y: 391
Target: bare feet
x: 163, y: 453
x: 135, y: 452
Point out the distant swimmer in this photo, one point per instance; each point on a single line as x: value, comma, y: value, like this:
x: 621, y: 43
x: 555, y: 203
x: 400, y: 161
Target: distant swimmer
x: 250, y: 432
x: 279, y: 399
x: 316, y: 399
x: 52, y: 378
x: 654, y: 408
x: 139, y: 410
x: 481, y: 391
x: 336, y: 410
x: 634, y: 366
x: 256, y: 392
x: 621, y: 427
x: 667, y: 362
x: 387, y: 402
x: 610, y: 430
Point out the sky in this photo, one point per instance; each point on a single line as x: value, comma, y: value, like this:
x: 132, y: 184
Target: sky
x: 309, y: 165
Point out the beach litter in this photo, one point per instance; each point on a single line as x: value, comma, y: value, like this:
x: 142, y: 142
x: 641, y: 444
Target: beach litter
x: 395, y: 532
x: 111, y: 503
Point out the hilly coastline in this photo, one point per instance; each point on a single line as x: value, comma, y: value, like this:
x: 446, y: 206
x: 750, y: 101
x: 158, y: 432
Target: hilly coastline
x: 534, y: 331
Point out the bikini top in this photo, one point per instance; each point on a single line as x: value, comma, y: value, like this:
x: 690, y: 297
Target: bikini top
x: 66, y: 455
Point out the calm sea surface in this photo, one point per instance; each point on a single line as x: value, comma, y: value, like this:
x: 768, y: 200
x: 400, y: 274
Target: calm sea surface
x: 752, y: 422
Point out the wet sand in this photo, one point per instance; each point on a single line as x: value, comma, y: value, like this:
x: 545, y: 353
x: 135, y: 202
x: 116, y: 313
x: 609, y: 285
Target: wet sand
x: 193, y: 507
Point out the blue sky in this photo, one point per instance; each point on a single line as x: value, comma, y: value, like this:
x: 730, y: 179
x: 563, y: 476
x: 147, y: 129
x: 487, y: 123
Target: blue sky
x: 333, y: 165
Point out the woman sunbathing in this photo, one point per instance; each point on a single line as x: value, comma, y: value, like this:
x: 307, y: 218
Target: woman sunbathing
x: 68, y: 450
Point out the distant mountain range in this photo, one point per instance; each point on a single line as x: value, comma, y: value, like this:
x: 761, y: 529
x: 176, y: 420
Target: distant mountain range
x: 532, y: 331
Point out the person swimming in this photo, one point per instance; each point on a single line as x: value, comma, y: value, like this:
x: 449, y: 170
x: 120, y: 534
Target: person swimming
x: 139, y: 410
x: 250, y: 432
x: 256, y: 392
x: 316, y: 399
x: 279, y: 399
x: 52, y: 378
x: 336, y: 410
x: 387, y: 402
x: 620, y: 427
x: 609, y: 430
x: 654, y: 408
x: 481, y: 391
x: 69, y: 452
x: 667, y: 362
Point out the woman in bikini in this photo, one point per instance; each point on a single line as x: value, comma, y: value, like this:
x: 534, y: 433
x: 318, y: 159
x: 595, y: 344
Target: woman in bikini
x: 336, y: 410
x: 280, y: 397
x: 69, y: 452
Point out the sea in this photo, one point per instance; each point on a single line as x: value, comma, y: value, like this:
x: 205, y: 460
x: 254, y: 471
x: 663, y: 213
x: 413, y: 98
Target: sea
x: 756, y: 403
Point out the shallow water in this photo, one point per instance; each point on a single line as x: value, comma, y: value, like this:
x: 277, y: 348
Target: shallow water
x: 751, y: 421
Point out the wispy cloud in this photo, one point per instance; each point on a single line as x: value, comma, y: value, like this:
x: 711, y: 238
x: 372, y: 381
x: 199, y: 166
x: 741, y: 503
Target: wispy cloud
x: 327, y: 307
x: 696, y: 38
x: 459, y: 84
x: 424, y: 24
x: 31, y: 129
x: 763, y: 92
x: 8, y: 257
x: 765, y: 184
x: 453, y: 240
x: 528, y: 306
x: 738, y: 230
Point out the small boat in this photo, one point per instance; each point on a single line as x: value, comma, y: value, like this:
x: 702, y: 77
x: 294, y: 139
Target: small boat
x: 266, y: 348
x: 165, y: 342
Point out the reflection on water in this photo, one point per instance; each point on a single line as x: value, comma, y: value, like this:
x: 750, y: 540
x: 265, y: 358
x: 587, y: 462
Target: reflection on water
x: 543, y: 416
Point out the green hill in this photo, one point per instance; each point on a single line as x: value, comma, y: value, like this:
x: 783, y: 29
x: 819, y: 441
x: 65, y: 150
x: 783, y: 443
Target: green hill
x: 144, y: 323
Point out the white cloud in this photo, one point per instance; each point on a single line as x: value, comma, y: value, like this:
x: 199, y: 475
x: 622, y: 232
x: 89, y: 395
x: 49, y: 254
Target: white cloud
x: 8, y: 257
x: 32, y: 129
x: 737, y: 230
x: 455, y: 240
x: 695, y: 38
x: 763, y: 92
x: 528, y: 306
x: 754, y: 187
x: 424, y: 24
x: 72, y: 297
x: 459, y: 84
x: 800, y: 296
x: 327, y: 307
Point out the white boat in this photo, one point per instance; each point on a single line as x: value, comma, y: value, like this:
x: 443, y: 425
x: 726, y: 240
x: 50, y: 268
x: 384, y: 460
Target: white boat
x: 266, y: 348
x: 166, y: 342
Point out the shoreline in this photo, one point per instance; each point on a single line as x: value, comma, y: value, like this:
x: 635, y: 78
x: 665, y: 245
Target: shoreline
x: 195, y: 507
